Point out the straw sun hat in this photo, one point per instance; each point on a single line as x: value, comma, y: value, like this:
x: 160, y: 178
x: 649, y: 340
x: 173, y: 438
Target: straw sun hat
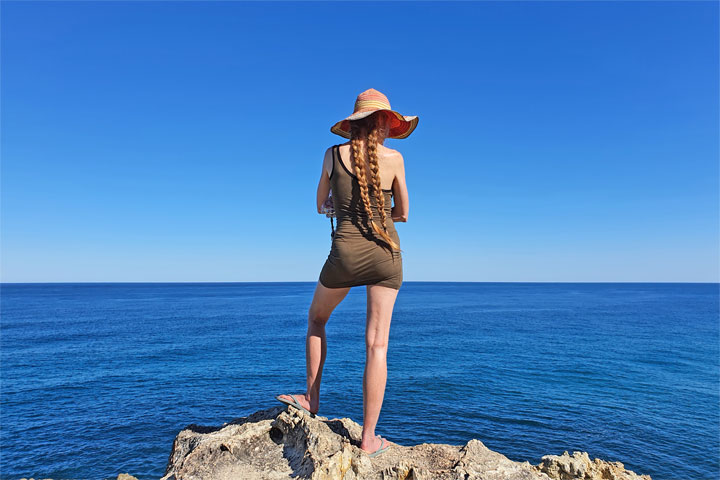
x: 369, y: 102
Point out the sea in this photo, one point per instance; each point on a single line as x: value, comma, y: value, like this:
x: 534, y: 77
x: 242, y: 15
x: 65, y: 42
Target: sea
x: 97, y: 379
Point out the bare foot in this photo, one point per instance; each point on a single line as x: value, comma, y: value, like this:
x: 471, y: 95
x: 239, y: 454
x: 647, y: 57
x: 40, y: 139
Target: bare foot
x: 303, y: 400
x: 372, y: 444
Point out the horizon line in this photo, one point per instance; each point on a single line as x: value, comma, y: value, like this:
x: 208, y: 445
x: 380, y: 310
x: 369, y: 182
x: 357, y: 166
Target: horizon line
x: 315, y: 281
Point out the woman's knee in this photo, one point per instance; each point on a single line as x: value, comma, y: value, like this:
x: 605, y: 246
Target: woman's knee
x: 376, y: 349
x: 318, y: 318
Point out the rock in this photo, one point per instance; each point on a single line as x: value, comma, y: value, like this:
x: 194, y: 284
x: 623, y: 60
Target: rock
x: 286, y: 443
x: 579, y: 466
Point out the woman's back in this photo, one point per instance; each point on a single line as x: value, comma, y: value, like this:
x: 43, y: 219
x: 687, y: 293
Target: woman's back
x: 358, y: 256
x: 387, y: 163
x: 347, y: 192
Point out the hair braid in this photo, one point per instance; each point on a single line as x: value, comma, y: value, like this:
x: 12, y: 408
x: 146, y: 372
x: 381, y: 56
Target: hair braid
x: 360, y: 173
x: 372, y: 144
x: 360, y: 132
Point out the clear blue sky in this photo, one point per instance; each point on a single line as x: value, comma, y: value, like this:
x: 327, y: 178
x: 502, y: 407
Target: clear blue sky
x: 183, y: 141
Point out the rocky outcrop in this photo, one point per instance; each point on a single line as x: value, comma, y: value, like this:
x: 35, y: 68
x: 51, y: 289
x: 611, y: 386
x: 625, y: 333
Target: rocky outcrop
x: 579, y: 466
x: 285, y: 443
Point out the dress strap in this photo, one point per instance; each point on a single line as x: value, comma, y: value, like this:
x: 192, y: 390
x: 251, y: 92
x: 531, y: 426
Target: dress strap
x: 332, y: 169
x: 332, y: 223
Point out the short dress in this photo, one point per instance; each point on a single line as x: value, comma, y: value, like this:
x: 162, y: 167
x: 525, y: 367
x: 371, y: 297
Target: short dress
x: 358, y: 256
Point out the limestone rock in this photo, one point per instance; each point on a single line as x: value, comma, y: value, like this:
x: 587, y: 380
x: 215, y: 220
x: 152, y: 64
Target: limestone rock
x: 285, y: 443
x: 579, y: 466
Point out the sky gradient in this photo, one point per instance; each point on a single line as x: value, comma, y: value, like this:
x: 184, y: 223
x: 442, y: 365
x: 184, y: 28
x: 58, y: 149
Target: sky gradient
x: 183, y: 141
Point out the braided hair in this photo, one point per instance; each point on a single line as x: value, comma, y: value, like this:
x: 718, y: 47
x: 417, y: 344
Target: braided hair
x: 371, y: 131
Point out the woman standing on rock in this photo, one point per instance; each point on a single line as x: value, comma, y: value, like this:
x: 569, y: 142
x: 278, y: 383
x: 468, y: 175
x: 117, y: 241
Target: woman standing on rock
x: 364, y: 177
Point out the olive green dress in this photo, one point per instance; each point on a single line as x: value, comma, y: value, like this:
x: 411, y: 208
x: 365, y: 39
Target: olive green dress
x: 358, y: 256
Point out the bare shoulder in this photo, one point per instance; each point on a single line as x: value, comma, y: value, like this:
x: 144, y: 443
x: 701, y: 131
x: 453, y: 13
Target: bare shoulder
x: 390, y: 154
x: 328, y: 161
x: 394, y: 158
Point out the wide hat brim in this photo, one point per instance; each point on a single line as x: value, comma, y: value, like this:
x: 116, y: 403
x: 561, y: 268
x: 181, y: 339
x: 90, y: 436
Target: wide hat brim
x: 400, y: 125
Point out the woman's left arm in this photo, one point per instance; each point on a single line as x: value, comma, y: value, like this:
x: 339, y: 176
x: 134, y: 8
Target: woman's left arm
x: 323, y: 190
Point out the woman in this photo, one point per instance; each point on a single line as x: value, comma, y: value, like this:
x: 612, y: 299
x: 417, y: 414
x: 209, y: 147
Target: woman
x: 364, y: 176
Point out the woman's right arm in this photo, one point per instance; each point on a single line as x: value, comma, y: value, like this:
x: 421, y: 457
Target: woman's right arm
x: 323, y: 189
x: 400, y: 210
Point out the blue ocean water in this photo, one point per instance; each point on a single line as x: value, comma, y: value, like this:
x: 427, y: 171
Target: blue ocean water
x: 98, y: 379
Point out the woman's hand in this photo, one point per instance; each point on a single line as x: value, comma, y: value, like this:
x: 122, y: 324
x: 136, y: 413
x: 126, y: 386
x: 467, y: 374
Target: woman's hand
x: 328, y: 208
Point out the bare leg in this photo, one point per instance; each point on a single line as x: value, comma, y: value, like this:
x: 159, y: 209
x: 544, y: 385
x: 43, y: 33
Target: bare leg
x: 323, y: 303
x: 380, y: 304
